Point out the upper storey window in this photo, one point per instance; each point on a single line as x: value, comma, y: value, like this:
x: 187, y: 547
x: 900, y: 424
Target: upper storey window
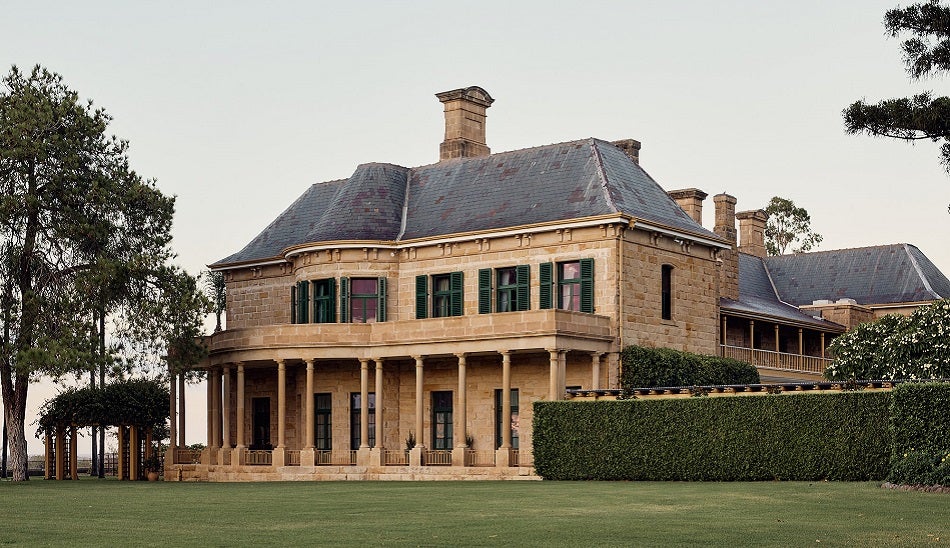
x: 509, y: 286
x: 666, y: 292
x: 363, y: 300
x: 573, y: 287
x: 445, y: 299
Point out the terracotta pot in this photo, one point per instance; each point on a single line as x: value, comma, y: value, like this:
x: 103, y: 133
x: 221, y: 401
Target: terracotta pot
x: 152, y: 476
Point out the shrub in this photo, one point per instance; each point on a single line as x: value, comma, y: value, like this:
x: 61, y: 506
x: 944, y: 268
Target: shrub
x: 650, y: 367
x: 791, y: 437
x: 896, y: 347
x: 920, y: 428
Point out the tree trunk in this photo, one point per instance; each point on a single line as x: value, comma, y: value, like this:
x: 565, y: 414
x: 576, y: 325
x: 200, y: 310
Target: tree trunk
x: 14, y: 410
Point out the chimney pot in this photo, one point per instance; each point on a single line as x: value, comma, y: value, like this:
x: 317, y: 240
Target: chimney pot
x: 752, y: 231
x: 630, y: 147
x: 691, y: 201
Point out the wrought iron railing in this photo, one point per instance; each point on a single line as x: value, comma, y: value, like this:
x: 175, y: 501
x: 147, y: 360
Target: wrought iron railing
x: 187, y: 456
x: 293, y: 457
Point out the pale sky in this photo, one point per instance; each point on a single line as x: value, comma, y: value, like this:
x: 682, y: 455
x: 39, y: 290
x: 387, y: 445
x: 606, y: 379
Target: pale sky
x: 236, y: 108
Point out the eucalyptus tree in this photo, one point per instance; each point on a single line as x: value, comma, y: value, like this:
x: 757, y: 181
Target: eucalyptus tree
x: 79, y: 232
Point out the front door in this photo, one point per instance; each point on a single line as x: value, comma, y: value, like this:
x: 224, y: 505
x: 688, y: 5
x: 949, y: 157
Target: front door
x: 261, y: 422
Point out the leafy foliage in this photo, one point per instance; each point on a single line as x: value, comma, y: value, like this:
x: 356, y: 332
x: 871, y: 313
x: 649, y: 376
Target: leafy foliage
x: 920, y: 427
x: 83, y: 238
x: 790, y: 437
x: 896, y: 347
x: 216, y: 290
x: 650, y: 367
x: 136, y: 402
x: 788, y: 224
x: 926, y: 51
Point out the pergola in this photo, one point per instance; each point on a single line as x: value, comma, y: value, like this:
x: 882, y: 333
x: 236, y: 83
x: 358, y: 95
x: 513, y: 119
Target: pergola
x: 136, y: 407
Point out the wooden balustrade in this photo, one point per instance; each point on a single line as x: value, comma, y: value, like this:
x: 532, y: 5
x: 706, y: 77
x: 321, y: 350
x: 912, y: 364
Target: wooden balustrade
x: 781, y: 361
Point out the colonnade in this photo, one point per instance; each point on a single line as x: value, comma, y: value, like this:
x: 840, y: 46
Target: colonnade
x: 223, y: 451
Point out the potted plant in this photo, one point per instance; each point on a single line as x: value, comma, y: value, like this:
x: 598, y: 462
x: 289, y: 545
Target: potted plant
x: 152, y: 465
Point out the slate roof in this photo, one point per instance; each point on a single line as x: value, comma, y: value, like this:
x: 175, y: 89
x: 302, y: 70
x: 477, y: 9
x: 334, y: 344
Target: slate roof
x: 757, y: 296
x: 895, y: 273
x: 550, y: 183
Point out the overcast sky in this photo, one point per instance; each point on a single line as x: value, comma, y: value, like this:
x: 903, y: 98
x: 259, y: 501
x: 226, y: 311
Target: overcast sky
x: 237, y: 107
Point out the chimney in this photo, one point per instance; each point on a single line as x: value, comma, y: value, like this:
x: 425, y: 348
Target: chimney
x: 630, y: 147
x: 725, y: 228
x: 691, y: 200
x: 464, y: 123
x: 752, y: 231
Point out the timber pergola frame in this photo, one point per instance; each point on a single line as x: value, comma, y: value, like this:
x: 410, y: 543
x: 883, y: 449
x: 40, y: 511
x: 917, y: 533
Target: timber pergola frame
x: 135, y: 406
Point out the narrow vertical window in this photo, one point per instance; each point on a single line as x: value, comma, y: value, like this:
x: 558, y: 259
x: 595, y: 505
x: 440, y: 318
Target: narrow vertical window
x: 666, y: 291
x: 441, y: 296
x: 442, y: 420
x: 322, y: 422
x: 512, y: 286
x: 355, y: 408
x: 366, y: 299
x: 499, y: 418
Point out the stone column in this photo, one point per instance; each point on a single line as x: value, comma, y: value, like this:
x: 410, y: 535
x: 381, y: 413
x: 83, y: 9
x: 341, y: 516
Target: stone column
x: 120, y: 452
x: 553, y: 374
x: 415, y: 453
x: 752, y: 334
x: 461, y: 446
x: 595, y: 370
x: 216, y: 414
x: 503, y: 454
x: 379, y: 446
x: 240, y: 451
x: 225, y: 454
x: 48, y: 461
x: 181, y: 410
x: 776, y: 338
x: 822, y: 344
x: 363, y: 453
x: 722, y: 332
x: 133, y: 453
x: 210, y: 420
x: 278, y: 456
x: 562, y: 372
x: 307, y: 457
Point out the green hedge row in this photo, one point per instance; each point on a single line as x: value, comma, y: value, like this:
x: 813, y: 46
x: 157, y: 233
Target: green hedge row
x: 920, y: 429
x: 650, y: 367
x: 789, y: 437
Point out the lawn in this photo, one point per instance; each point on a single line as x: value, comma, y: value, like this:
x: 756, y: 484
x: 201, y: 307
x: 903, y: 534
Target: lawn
x: 112, y: 513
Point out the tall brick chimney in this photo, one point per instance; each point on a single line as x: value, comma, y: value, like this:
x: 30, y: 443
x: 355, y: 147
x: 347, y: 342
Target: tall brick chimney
x: 464, y: 122
x: 752, y: 231
x: 725, y: 228
x: 691, y: 200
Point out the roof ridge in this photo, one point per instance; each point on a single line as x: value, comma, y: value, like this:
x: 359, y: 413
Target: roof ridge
x: 920, y: 273
x: 878, y: 246
x: 494, y: 154
x: 603, y: 175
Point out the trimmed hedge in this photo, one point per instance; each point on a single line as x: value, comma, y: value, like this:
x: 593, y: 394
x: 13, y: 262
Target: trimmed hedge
x: 789, y: 437
x: 650, y: 367
x: 920, y: 428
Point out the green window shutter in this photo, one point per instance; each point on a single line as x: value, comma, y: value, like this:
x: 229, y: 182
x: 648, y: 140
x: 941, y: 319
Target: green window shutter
x: 381, y: 300
x: 422, y: 291
x: 484, y: 291
x: 344, y: 300
x: 523, y: 277
x: 456, y: 285
x: 331, y: 283
x: 293, y: 304
x: 303, y: 300
x: 587, y: 285
x: 546, y: 276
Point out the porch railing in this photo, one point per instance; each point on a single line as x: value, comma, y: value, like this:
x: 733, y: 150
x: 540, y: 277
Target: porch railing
x: 437, y: 458
x: 334, y: 458
x: 395, y: 457
x: 187, y: 456
x: 479, y: 458
x: 293, y: 457
x: 522, y: 457
x: 782, y: 361
x: 257, y: 457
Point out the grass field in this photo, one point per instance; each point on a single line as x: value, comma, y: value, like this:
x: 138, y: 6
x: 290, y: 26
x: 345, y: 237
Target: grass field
x: 112, y: 513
